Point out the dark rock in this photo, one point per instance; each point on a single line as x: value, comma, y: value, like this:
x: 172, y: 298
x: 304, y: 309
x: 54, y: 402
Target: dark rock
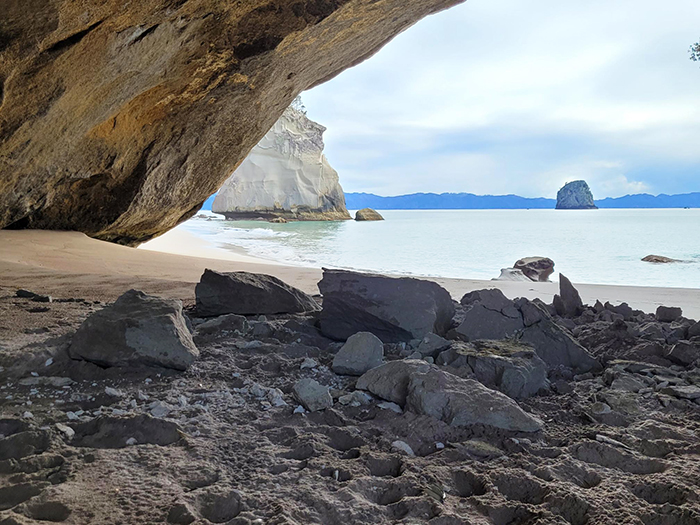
x: 575, y: 195
x: 247, y: 293
x: 491, y: 316
x: 509, y: 367
x: 432, y: 344
x: 694, y: 330
x: 668, y: 314
x: 568, y: 303
x: 224, y: 323
x: 115, y: 432
x: 535, y: 268
x: 463, y: 402
x: 394, y: 309
x: 368, y: 214
x: 659, y: 259
x: 138, y: 329
x: 362, y: 352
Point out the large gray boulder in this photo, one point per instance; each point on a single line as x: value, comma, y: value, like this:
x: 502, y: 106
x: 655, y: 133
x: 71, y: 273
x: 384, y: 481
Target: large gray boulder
x: 568, y: 302
x: 390, y: 380
x: 490, y: 315
x: 575, y: 195
x: 247, y: 293
x: 512, y: 368
x: 138, y: 329
x: 362, y: 352
x: 464, y: 402
x: 395, y: 309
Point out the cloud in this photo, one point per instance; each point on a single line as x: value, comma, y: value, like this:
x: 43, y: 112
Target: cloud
x: 514, y: 97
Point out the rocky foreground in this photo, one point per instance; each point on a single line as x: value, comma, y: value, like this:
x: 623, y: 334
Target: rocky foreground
x: 383, y: 401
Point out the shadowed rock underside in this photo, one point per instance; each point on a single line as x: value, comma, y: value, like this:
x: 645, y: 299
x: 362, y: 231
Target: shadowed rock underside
x: 119, y: 119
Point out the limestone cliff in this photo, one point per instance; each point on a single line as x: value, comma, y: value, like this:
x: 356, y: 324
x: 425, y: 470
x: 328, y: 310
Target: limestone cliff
x: 119, y: 119
x: 575, y: 195
x: 286, y: 175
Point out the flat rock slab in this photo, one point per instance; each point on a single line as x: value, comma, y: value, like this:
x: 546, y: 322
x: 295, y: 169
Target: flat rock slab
x: 246, y: 293
x: 362, y: 352
x: 138, y: 329
x: 395, y: 309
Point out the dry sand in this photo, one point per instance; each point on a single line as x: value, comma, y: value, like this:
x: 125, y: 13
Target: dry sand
x: 68, y: 263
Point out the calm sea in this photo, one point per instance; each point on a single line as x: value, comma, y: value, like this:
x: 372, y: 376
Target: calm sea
x: 592, y: 246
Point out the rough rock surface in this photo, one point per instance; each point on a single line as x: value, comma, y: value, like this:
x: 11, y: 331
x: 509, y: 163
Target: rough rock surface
x: 119, y: 119
x: 537, y: 269
x: 568, y: 301
x: 248, y: 294
x: 313, y: 395
x: 368, y: 214
x: 668, y: 314
x: 390, y: 380
x: 394, y: 309
x: 138, y: 329
x: 575, y: 195
x: 285, y: 176
x: 362, y: 352
x: 462, y: 402
x: 658, y: 259
x: 511, y: 274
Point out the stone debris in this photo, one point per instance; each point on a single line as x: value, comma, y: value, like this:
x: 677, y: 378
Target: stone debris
x: 312, y: 395
x: 362, y: 352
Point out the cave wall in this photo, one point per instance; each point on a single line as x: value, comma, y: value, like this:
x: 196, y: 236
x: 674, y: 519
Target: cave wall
x: 119, y: 119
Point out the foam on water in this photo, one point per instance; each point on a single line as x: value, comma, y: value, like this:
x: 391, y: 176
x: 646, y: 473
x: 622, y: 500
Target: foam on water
x: 591, y: 246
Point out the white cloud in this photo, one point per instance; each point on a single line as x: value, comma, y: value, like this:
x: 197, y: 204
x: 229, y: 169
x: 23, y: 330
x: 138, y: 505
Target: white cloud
x: 516, y: 93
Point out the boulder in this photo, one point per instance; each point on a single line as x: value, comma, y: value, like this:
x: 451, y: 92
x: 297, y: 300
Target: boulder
x: 535, y: 268
x: 247, y: 293
x: 362, y: 352
x: 575, y: 195
x: 568, y: 302
x: 511, y: 274
x: 464, y: 402
x: 557, y: 348
x: 395, y: 309
x: 390, y: 380
x: 223, y: 323
x: 684, y: 353
x: 482, y: 322
x: 658, y: 259
x: 512, y: 368
x: 694, y: 330
x: 138, y: 329
x: 432, y: 344
x: 668, y: 314
x: 312, y: 395
x: 368, y: 214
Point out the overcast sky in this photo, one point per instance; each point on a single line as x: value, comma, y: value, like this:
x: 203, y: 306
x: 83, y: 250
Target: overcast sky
x: 507, y: 96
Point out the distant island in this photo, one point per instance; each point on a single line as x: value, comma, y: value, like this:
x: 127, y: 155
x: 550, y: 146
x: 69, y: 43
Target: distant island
x: 469, y: 201
x: 575, y: 195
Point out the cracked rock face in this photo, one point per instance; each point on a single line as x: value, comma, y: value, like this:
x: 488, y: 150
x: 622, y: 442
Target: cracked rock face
x: 119, y: 119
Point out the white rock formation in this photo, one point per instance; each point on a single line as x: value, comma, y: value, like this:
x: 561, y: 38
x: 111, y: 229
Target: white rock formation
x: 286, y: 175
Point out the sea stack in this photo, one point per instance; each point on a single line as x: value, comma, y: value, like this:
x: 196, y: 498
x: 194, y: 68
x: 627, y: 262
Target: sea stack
x: 575, y: 195
x: 286, y: 176
x: 368, y: 214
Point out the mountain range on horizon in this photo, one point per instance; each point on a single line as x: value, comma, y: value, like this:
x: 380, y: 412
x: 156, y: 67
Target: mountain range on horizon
x: 470, y: 201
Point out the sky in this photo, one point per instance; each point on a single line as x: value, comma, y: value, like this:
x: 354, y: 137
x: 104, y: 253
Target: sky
x: 505, y: 96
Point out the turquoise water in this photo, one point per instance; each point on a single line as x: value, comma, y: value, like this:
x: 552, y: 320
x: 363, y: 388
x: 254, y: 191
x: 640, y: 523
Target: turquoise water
x: 591, y: 246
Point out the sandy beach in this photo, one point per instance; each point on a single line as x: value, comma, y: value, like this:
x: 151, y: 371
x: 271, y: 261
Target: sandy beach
x: 66, y: 264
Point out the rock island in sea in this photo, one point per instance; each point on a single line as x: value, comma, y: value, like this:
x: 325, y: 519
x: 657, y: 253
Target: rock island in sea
x: 285, y: 176
x: 575, y: 195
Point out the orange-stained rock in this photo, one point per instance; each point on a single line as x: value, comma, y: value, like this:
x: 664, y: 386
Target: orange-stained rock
x: 119, y: 119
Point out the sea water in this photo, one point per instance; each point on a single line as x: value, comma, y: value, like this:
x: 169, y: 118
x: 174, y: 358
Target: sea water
x: 588, y: 246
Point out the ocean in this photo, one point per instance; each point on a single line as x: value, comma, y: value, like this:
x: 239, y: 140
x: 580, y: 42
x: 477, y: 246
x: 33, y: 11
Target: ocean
x: 590, y: 246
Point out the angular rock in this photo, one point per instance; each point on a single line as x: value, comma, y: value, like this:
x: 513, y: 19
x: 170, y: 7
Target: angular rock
x: 694, y: 330
x: 312, y: 395
x: 511, y: 274
x: 568, y: 302
x: 535, y: 268
x: 512, y: 368
x: 463, y: 402
x: 684, y: 353
x: 368, y: 214
x: 491, y: 316
x: 432, y: 344
x: 390, y: 380
x: 557, y: 348
x: 228, y: 323
x: 575, y: 195
x: 247, y: 293
x: 138, y: 329
x: 395, y: 309
x: 668, y: 314
x: 682, y: 391
x: 658, y: 259
x: 362, y: 352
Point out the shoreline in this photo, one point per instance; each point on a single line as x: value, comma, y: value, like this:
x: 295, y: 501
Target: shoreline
x: 71, y: 264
